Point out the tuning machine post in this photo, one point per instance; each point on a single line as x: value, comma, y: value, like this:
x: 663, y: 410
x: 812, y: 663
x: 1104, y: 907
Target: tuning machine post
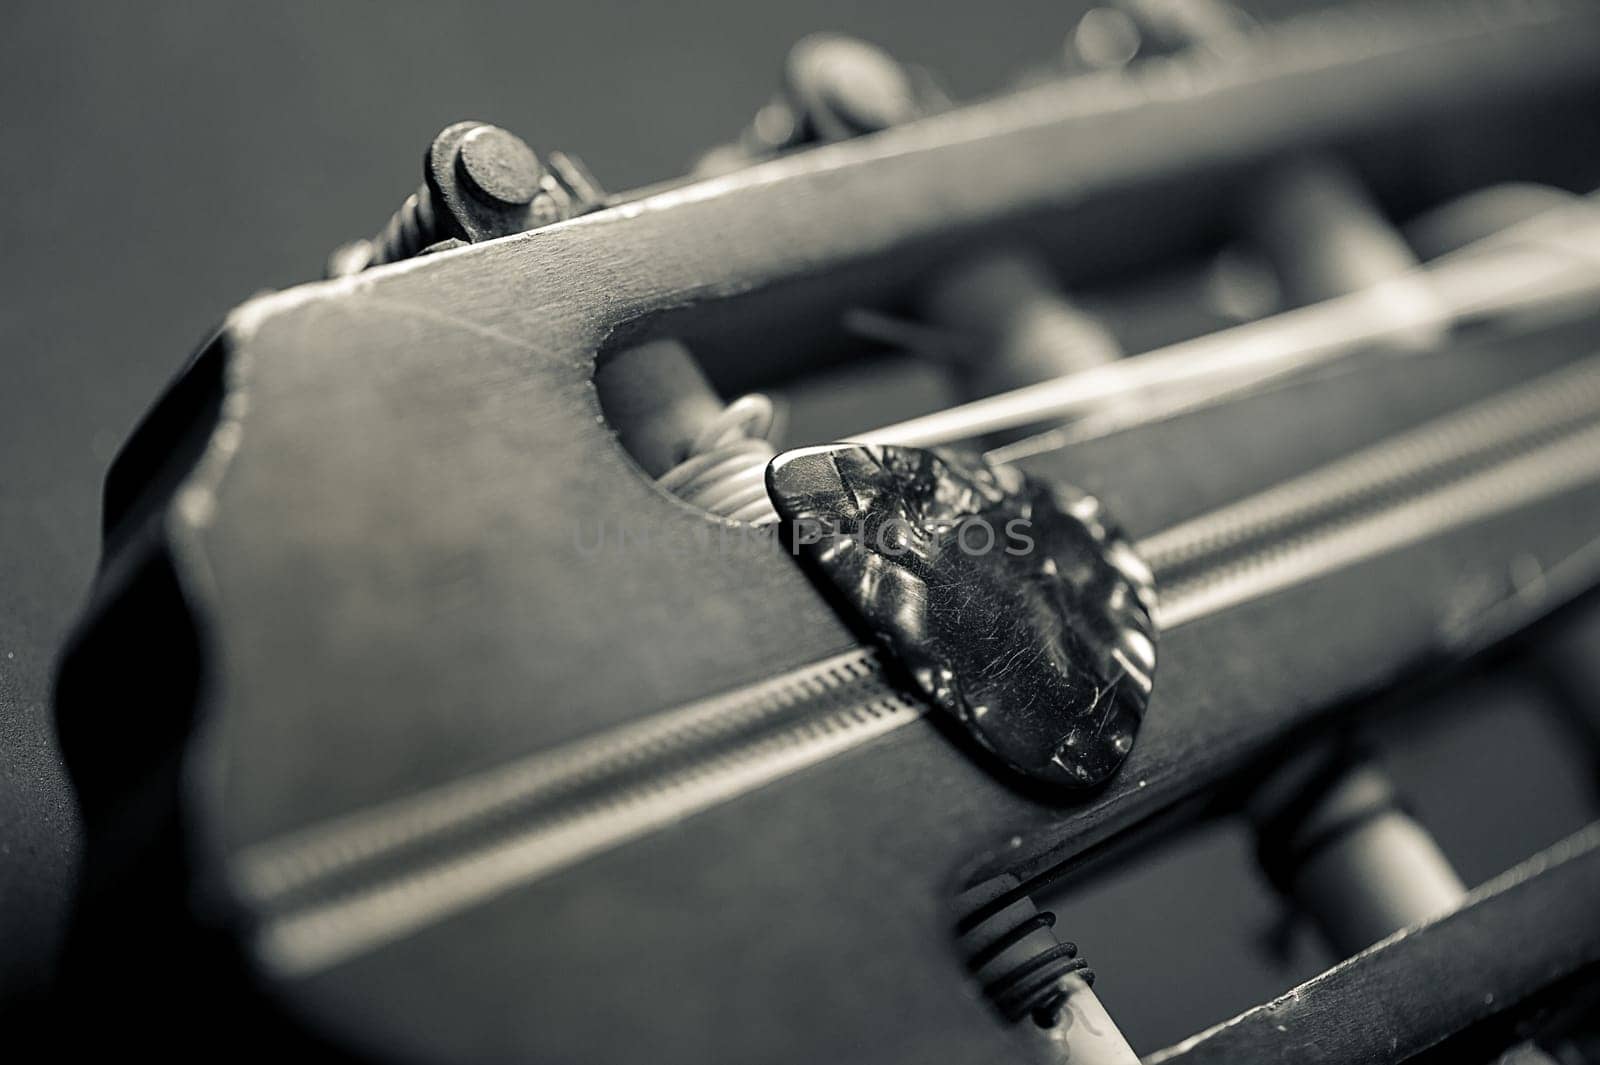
x: 1032, y: 977
x: 1333, y: 834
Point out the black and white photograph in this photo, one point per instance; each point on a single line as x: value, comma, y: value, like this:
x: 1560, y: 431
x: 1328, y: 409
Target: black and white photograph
x: 771, y: 532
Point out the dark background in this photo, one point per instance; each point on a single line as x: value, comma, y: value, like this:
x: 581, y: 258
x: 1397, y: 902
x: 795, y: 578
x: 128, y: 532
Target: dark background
x: 162, y: 162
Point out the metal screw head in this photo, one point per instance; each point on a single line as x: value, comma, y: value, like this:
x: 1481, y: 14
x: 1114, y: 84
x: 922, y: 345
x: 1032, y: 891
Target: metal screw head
x: 498, y: 167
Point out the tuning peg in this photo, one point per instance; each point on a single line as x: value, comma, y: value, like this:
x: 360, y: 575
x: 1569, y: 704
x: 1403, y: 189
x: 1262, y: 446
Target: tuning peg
x: 479, y: 182
x: 1115, y: 34
x: 997, y: 320
x: 1310, y: 218
x: 834, y: 87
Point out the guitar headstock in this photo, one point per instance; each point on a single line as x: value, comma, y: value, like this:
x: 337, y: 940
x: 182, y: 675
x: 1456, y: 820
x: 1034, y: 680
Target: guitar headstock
x: 448, y: 678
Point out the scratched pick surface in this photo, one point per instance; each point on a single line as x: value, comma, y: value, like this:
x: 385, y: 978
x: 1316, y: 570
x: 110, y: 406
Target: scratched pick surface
x: 1012, y: 604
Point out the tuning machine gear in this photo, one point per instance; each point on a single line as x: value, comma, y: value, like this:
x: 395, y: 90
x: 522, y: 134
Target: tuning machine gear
x: 479, y: 182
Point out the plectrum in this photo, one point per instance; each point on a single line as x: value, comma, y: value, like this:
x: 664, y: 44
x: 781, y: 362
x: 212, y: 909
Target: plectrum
x: 1013, y: 605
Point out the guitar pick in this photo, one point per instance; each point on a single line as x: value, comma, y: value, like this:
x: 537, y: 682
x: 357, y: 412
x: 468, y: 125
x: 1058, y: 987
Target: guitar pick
x: 1013, y: 605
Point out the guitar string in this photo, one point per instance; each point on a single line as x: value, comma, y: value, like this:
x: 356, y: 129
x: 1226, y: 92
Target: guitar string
x: 835, y: 706
x: 1545, y: 263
